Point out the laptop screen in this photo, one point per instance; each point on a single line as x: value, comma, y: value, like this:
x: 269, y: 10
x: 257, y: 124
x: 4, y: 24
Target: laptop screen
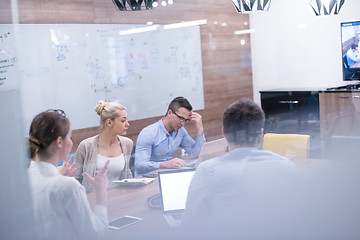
x: 174, y: 187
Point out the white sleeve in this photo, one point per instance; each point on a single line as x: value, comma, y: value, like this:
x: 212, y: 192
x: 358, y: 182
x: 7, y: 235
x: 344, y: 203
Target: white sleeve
x: 355, y: 56
x: 87, y: 224
x: 198, y: 204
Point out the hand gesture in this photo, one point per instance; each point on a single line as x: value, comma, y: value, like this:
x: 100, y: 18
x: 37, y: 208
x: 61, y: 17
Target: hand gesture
x: 99, y: 183
x: 100, y: 180
x: 173, y: 163
x: 198, y: 122
x: 68, y: 167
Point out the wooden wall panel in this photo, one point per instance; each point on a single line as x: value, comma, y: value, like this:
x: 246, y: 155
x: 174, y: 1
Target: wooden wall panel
x: 226, y: 63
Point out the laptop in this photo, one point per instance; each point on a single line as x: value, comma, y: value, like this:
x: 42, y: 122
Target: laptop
x: 174, y: 187
x: 209, y: 150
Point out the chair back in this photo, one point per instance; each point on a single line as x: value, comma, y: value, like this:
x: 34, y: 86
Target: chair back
x: 288, y: 145
x: 342, y: 148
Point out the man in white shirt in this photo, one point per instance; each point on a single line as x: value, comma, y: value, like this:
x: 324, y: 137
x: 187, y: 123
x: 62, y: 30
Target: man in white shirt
x: 233, y: 196
x: 353, y: 55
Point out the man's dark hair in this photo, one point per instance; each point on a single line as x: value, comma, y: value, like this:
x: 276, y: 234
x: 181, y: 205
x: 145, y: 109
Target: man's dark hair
x: 242, y: 122
x: 179, y: 102
x: 354, y: 46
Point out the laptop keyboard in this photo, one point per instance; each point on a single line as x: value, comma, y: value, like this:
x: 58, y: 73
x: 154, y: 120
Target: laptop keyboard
x: 191, y: 163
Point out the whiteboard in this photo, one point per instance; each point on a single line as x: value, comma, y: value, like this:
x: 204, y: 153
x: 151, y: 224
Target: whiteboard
x: 73, y: 66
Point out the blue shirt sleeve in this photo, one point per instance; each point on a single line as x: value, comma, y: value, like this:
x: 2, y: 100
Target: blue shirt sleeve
x: 192, y: 147
x: 143, y: 151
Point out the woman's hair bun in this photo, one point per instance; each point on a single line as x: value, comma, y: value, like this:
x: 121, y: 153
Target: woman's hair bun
x: 100, y: 107
x: 35, y: 146
x: 35, y: 142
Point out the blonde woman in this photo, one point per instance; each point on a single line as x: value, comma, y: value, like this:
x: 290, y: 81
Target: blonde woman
x: 110, y: 144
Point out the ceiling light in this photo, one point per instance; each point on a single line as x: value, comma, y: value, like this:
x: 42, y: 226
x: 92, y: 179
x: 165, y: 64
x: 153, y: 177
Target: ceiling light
x: 326, y: 7
x: 135, y: 5
x: 248, y: 6
x: 246, y: 31
x: 139, y: 30
x: 185, y: 24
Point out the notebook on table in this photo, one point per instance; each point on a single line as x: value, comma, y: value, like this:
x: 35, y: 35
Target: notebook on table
x: 174, y: 187
x: 209, y: 150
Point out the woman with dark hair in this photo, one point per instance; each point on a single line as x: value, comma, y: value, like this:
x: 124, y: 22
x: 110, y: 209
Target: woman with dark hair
x: 61, y: 208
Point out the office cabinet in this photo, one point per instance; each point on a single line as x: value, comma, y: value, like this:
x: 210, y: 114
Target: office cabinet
x: 339, y: 114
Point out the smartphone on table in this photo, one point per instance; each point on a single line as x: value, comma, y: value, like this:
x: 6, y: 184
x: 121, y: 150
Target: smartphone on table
x: 123, y: 222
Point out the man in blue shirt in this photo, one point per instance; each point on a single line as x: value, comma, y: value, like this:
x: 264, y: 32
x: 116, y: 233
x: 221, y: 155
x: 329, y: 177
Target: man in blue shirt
x: 157, y: 143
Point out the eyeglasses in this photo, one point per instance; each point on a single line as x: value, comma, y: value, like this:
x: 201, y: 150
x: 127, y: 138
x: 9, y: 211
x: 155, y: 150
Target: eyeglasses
x: 60, y: 112
x: 182, y: 119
